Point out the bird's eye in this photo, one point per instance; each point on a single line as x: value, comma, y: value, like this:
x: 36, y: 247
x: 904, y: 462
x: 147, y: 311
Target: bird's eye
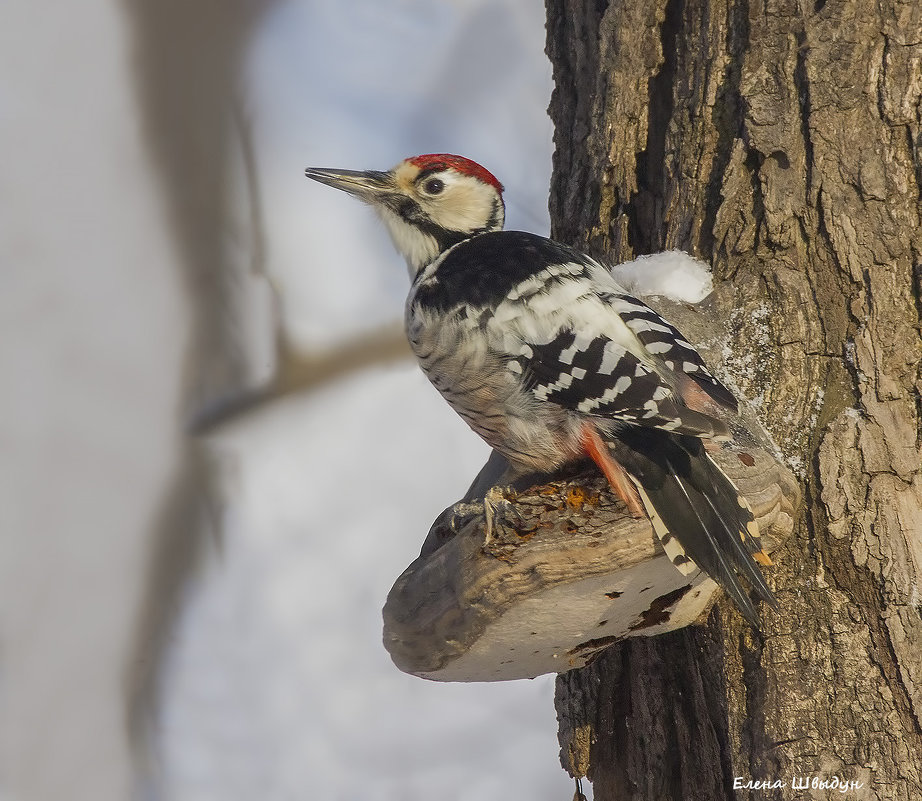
x: 433, y: 186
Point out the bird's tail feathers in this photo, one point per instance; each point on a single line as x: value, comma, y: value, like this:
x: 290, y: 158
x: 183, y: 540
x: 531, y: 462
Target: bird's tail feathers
x: 698, y: 514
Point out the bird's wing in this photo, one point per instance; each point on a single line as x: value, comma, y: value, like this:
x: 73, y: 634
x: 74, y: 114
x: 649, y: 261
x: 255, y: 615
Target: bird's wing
x: 664, y: 340
x: 601, y: 353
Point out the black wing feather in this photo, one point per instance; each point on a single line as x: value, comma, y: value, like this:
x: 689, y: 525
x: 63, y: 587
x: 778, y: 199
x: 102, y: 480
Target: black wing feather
x: 700, y: 507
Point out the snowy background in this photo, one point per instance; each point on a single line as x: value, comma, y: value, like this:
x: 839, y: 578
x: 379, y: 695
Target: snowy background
x: 277, y: 685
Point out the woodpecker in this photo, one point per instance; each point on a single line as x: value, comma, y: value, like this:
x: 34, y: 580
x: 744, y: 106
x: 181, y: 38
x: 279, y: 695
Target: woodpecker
x: 545, y: 356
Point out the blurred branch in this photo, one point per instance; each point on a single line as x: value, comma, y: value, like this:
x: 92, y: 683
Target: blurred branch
x: 304, y: 371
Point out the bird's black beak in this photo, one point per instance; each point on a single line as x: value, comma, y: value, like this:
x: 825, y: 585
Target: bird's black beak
x: 371, y: 186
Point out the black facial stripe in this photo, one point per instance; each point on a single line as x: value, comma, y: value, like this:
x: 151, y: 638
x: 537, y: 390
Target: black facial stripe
x: 406, y: 208
x: 493, y: 220
x: 442, y: 236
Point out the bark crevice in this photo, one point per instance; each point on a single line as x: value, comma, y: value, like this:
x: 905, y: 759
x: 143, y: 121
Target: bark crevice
x: 727, y: 119
x: 645, y: 208
x: 802, y: 85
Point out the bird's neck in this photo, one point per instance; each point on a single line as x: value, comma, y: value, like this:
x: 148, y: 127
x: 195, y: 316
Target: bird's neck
x: 421, y: 245
x: 418, y: 247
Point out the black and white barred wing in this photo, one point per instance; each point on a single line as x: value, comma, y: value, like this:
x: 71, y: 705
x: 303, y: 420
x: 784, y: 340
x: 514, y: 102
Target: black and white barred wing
x: 572, y: 346
x: 667, y: 343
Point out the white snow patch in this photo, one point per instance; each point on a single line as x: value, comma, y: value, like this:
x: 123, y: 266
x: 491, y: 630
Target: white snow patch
x: 674, y: 275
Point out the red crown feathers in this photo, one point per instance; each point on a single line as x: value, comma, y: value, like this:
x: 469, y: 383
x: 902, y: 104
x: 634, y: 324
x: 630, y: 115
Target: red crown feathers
x: 442, y: 161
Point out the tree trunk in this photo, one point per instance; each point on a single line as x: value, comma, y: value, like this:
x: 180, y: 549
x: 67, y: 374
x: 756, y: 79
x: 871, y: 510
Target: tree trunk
x: 782, y: 143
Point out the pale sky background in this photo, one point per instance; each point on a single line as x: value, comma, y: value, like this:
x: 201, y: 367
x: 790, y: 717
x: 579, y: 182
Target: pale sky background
x: 277, y: 685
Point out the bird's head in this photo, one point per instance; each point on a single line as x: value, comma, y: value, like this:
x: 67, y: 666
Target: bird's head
x: 428, y: 203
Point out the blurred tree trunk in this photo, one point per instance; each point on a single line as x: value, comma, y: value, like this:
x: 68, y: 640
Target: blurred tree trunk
x: 118, y: 252
x: 780, y: 141
x: 187, y: 59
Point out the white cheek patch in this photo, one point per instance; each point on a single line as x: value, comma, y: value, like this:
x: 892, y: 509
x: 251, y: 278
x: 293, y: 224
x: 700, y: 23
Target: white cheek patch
x: 466, y: 204
x: 417, y: 247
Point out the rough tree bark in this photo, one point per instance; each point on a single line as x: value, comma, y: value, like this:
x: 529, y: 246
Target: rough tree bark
x: 781, y: 141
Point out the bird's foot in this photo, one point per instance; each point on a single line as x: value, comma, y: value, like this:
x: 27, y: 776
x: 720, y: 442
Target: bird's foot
x: 463, y: 512
x: 495, y: 505
x: 496, y: 502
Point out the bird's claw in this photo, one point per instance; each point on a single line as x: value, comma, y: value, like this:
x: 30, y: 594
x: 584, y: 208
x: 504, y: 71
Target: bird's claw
x: 495, y: 502
x: 462, y: 512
